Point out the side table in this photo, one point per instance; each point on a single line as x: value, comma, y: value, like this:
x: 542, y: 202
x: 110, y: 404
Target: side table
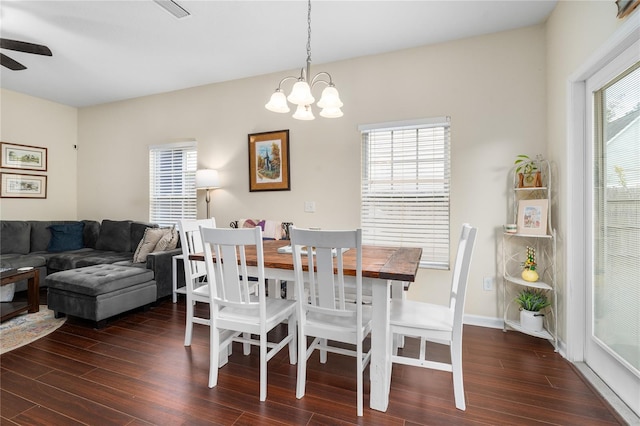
x: 11, y: 309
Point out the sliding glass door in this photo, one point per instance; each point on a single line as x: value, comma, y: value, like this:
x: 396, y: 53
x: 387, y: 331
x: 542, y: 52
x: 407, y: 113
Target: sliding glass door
x: 612, y: 348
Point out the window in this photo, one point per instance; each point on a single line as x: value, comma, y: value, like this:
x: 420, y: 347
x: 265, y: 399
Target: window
x: 405, y: 187
x: 172, y: 189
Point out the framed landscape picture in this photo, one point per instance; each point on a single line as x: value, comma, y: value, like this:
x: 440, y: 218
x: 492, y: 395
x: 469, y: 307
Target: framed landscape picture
x: 532, y: 217
x: 23, y: 157
x: 269, y: 161
x: 23, y: 186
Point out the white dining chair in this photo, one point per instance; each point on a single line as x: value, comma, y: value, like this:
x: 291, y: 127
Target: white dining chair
x: 195, y: 273
x: 234, y: 309
x: 438, y: 323
x: 325, y: 315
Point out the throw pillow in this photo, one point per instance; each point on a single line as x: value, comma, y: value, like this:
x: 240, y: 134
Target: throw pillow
x: 66, y: 237
x: 148, y: 244
x: 168, y: 242
x: 14, y: 236
x: 114, y: 236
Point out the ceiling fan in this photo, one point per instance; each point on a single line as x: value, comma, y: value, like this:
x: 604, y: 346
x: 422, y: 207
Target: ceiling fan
x: 20, y: 46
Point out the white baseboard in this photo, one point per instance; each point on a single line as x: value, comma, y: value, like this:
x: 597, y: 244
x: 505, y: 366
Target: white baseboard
x: 483, y: 321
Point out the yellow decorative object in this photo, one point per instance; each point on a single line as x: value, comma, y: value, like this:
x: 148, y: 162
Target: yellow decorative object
x: 530, y: 275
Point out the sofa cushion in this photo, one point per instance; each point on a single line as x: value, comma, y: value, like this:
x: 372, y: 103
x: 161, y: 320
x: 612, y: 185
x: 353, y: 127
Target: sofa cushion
x: 114, y: 236
x: 98, y: 279
x: 148, y: 244
x: 91, y: 233
x: 66, y: 237
x: 22, y: 260
x: 15, y: 237
x: 103, y: 257
x: 169, y: 241
x: 40, y: 234
x: 68, y: 259
x: 137, y: 232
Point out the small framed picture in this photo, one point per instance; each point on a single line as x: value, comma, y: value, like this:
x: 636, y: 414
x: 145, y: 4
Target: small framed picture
x: 625, y: 7
x: 532, y: 217
x: 23, y: 157
x: 23, y: 186
x: 269, y: 161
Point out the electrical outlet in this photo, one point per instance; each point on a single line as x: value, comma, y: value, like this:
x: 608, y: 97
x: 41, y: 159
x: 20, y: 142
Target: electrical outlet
x: 310, y: 206
x: 487, y: 283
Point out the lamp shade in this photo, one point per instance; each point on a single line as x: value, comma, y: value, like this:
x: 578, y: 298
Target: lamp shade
x: 301, y: 94
x: 303, y: 112
x: 278, y: 102
x: 207, y: 179
x: 330, y: 98
x: 331, y: 113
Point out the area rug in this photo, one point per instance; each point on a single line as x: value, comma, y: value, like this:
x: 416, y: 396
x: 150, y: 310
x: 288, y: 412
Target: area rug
x: 27, y: 328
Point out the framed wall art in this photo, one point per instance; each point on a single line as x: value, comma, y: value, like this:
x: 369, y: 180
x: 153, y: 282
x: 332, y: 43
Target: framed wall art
x: 269, y: 161
x: 23, y: 186
x: 532, y: 217
x: 625, y: 7
x: 23, y: 157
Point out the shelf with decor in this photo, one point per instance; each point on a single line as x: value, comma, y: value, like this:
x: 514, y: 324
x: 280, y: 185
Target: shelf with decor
x: 529, y: 253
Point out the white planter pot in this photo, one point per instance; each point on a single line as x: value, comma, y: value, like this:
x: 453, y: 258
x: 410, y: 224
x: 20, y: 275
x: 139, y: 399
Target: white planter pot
x: 6, y: 292
x: 531, y: 321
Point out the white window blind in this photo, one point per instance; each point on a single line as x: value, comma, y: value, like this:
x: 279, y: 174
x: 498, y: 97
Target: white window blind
x: 172, y: 189
x: 616, y: 294
x: 405, y: 187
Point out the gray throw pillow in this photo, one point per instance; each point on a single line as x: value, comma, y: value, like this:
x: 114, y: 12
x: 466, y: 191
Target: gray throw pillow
x: 15, y: 237
x: 114, y: 236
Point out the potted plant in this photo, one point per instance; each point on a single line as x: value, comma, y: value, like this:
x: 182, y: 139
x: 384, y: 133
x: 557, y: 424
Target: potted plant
x: 531, y: 302
x: 528, y: 174
x: 529, y: 272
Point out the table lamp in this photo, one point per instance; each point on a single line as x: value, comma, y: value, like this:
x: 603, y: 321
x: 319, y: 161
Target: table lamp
x: 207, y: 179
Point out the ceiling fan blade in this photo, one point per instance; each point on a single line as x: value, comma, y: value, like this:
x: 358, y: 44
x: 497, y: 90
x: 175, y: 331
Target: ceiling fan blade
x: 6, y: 61
x: 23, y: 46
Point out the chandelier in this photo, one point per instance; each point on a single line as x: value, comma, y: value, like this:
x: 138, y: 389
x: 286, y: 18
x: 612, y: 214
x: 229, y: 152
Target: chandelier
x: 301, y: 92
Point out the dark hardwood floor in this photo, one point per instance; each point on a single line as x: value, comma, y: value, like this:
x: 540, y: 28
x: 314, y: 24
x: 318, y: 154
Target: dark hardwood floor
x: 136, y: 371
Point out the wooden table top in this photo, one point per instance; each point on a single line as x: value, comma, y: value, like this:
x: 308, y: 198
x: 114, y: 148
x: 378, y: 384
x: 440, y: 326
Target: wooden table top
x: 389, y: 263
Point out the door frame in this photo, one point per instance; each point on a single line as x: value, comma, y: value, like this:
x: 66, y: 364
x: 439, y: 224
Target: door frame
x: 578, y: 214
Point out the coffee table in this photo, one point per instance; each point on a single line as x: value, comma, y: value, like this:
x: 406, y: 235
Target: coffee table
x: 11, y: 309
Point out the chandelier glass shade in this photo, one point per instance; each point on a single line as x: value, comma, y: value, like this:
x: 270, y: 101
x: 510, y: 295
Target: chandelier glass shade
x: 301, y: 91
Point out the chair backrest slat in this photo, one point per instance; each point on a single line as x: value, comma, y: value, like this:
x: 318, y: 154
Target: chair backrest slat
x: 461, y: 274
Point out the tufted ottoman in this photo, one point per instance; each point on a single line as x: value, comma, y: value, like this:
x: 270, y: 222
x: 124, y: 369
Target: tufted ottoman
x: 99, y: 292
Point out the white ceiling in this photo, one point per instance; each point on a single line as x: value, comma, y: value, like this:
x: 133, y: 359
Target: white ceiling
x: 105, y: 51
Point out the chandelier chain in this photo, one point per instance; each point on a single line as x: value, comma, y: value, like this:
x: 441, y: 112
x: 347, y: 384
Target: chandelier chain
x: 309, y: 32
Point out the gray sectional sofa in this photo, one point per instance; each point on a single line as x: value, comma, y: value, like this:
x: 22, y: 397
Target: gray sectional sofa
x: 54, y: 246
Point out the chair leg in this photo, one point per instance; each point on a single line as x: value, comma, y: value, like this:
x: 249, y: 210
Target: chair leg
x: 456, y: 366
x: 292, y: 332
x: 188, y: 331
x: 360, y: 379
x: 396, y: 342
x: 423, y: 348
x: 302, y: 363
x: 323, y: 353
x: 263, y: 367
x: 246, y: 347
x: 214, y: 351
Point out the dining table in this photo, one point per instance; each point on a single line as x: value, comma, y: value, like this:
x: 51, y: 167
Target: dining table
x: 383, y: 268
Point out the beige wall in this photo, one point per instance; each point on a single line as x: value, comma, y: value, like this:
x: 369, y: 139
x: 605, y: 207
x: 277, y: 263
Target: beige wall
x: 493, y: 87
x: 575, y: 31
x: 506, y: 94
x: 26, y: 120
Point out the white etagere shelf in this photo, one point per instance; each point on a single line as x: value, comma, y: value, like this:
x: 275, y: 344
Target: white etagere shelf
x: 514, y: 253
